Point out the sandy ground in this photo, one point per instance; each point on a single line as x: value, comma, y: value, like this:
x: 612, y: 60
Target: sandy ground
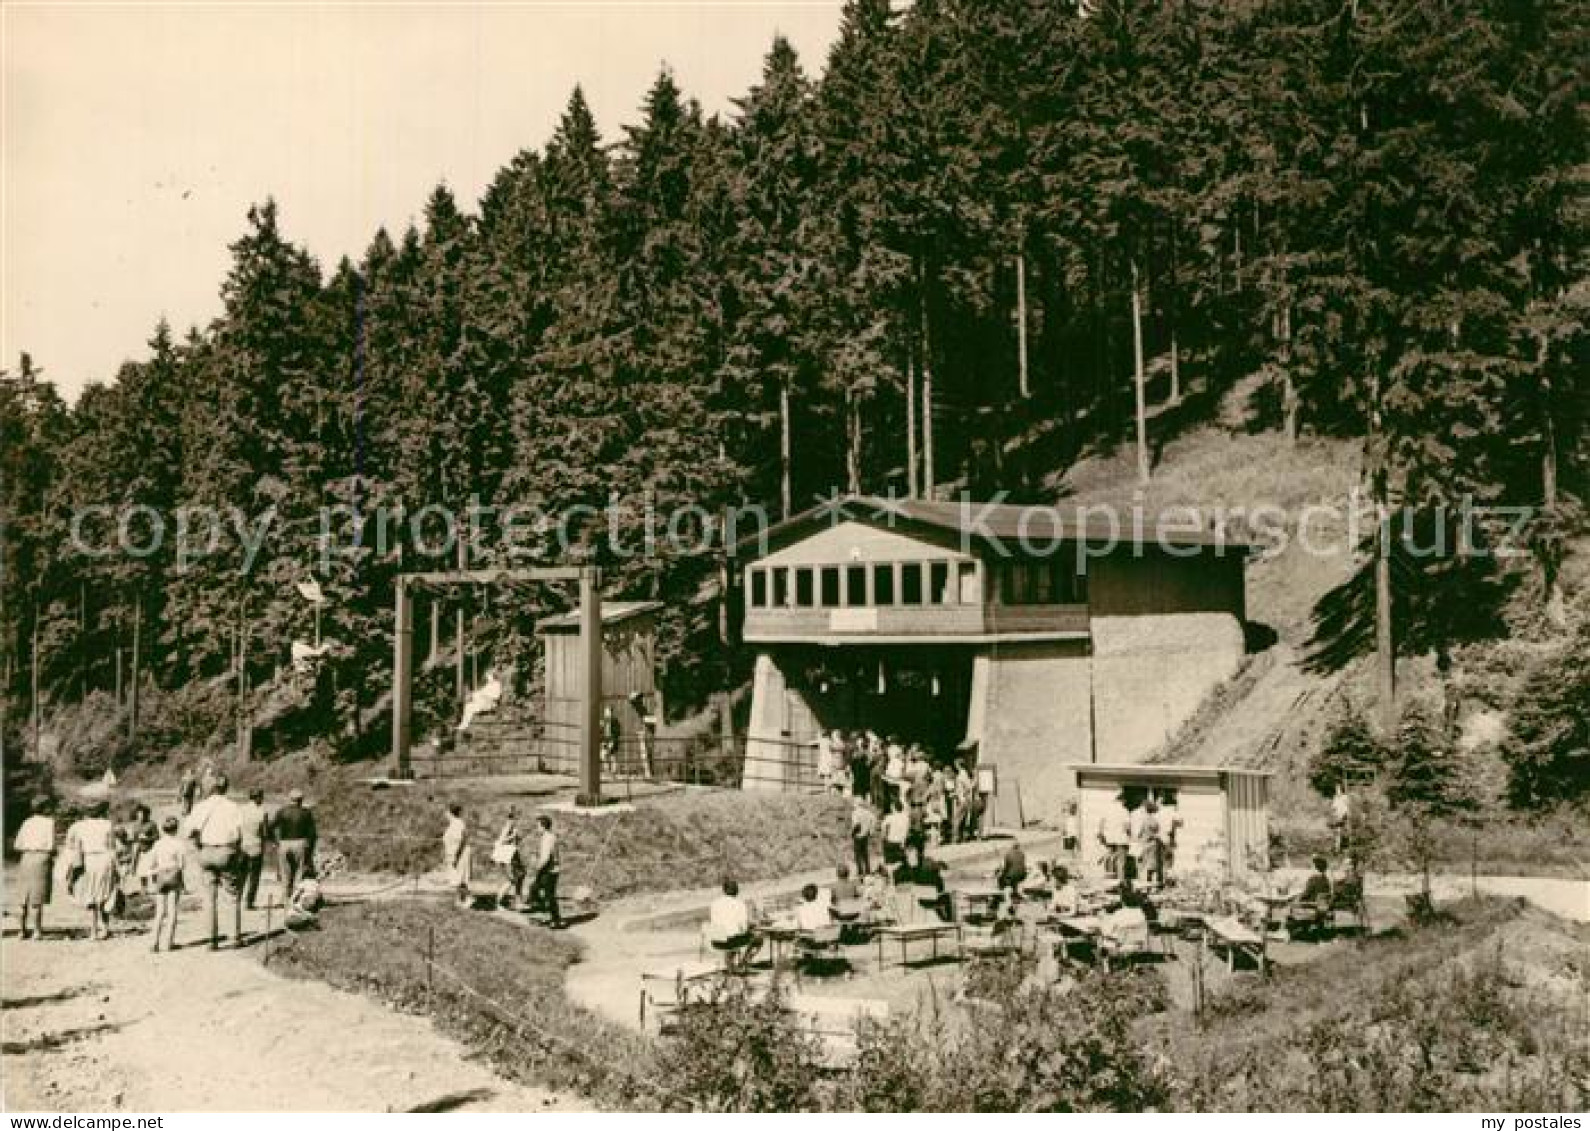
x: 110, y: 1027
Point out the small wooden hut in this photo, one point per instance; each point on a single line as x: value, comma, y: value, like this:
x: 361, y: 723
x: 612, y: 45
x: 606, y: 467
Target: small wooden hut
x: 629, y: 678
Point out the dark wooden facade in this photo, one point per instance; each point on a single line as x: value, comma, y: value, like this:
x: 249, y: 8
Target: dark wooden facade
x: 629, y: 667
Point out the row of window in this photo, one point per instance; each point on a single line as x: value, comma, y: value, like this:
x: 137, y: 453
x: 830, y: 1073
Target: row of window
x: 864, y: 586
x: 912, y: 583
x: 1054, y: 582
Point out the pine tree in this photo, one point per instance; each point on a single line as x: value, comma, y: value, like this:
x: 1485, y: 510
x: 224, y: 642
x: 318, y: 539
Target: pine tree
x: 772, y: 355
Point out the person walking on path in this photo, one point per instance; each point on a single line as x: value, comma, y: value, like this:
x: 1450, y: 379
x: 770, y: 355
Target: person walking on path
x: 137, y: 837
x: 168, y: 863
x: 544, y: 889
x: 862, y: 823
x: 188, y: 791
x: 91, y: 867
x: 293, y: 830
x: 611, y: 733
x: 896, y: 831
x: 216, y: 827
x: 509, y: 852
x: 253, y: 819
x: 457, y: 856
x: 35, y: 843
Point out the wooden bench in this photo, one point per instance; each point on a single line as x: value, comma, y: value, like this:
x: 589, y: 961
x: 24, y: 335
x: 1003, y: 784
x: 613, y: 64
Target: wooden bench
x: 664, y: 993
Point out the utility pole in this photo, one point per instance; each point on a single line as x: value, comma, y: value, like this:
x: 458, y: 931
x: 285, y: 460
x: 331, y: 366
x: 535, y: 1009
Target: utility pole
x: 34, y: 656
x: 1385, y: 643
x: 1139, y: 379
x: 590, y: 688
x: 245, y: 724
x: 785, y: 493
x: 910, y: 428
x: 1021, y: 322
x: 402, y: 677
x: 137, y: 641
x: 459, y: 683
x: 927, y: 401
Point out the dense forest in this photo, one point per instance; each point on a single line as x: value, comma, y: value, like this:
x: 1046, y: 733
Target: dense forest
x: 990, y: 238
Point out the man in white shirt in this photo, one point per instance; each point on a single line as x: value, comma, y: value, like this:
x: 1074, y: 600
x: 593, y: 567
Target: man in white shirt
x: 896, y: 830
x: 1064, y: 899
x: 1127, y: 925
x: 862, y: 823
x: 813, y: 913
x: 1119, y: 837
x: 544, y: 887
x: 729, y: 925
x: 729, y: 916
x: 216, y: 826
x: 825, y: 758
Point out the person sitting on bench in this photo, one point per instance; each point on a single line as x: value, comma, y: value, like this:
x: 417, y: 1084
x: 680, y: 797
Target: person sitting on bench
x: 813, y: 913
x: 1313, y: 908
x: 729, y: 925
x: 1317, y: 891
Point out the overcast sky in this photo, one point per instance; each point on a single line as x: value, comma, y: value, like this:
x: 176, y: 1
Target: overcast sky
x: 135, y: 137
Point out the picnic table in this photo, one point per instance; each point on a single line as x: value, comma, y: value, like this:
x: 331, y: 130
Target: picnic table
x: 1275, y: 902
x: 1235, y: 937
x: 1074, y: 930
x: 1186, y: 922
x: 981, y: 902
x: 908, y: 933
x: 780, y: 933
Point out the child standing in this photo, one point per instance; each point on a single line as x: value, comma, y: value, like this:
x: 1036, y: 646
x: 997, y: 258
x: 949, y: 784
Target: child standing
x: 166, y: 861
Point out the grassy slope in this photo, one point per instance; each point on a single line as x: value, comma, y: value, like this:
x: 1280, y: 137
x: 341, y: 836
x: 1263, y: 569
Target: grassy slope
x: 1486, y: 1008
x: 1273, y: 714
x: 1270, y: 715
x: 667, y: 842
x: 513, y: 1012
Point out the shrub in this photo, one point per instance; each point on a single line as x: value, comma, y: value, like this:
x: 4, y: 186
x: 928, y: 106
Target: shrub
x: 744, y: 1052
x: 1548, y: 755
x: 1064, y: 1047
x: 1349, y: 755
x: 1437, y: 1020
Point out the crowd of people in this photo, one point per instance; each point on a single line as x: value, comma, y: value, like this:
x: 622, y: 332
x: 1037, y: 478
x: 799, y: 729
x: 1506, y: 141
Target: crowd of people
x: 214, y: 843
x: 1138, y: 839
x: 902, y: 797
x: 940, y: 794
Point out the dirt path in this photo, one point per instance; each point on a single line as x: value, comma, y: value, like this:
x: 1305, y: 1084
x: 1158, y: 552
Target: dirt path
x: 108, y: 1026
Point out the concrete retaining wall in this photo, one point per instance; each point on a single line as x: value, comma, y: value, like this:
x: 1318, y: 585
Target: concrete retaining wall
x: 1150, y: 673
x: 1029, y: 716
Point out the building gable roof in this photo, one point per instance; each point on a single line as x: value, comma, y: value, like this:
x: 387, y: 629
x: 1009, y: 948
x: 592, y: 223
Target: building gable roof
x: 982, y: 527
x: 613, y: 612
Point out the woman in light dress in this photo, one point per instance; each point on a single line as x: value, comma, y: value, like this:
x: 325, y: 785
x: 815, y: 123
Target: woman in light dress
x: 457, y: 855
x: 91, y: 854
x: 506, y: 853
x: 35, y: 843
